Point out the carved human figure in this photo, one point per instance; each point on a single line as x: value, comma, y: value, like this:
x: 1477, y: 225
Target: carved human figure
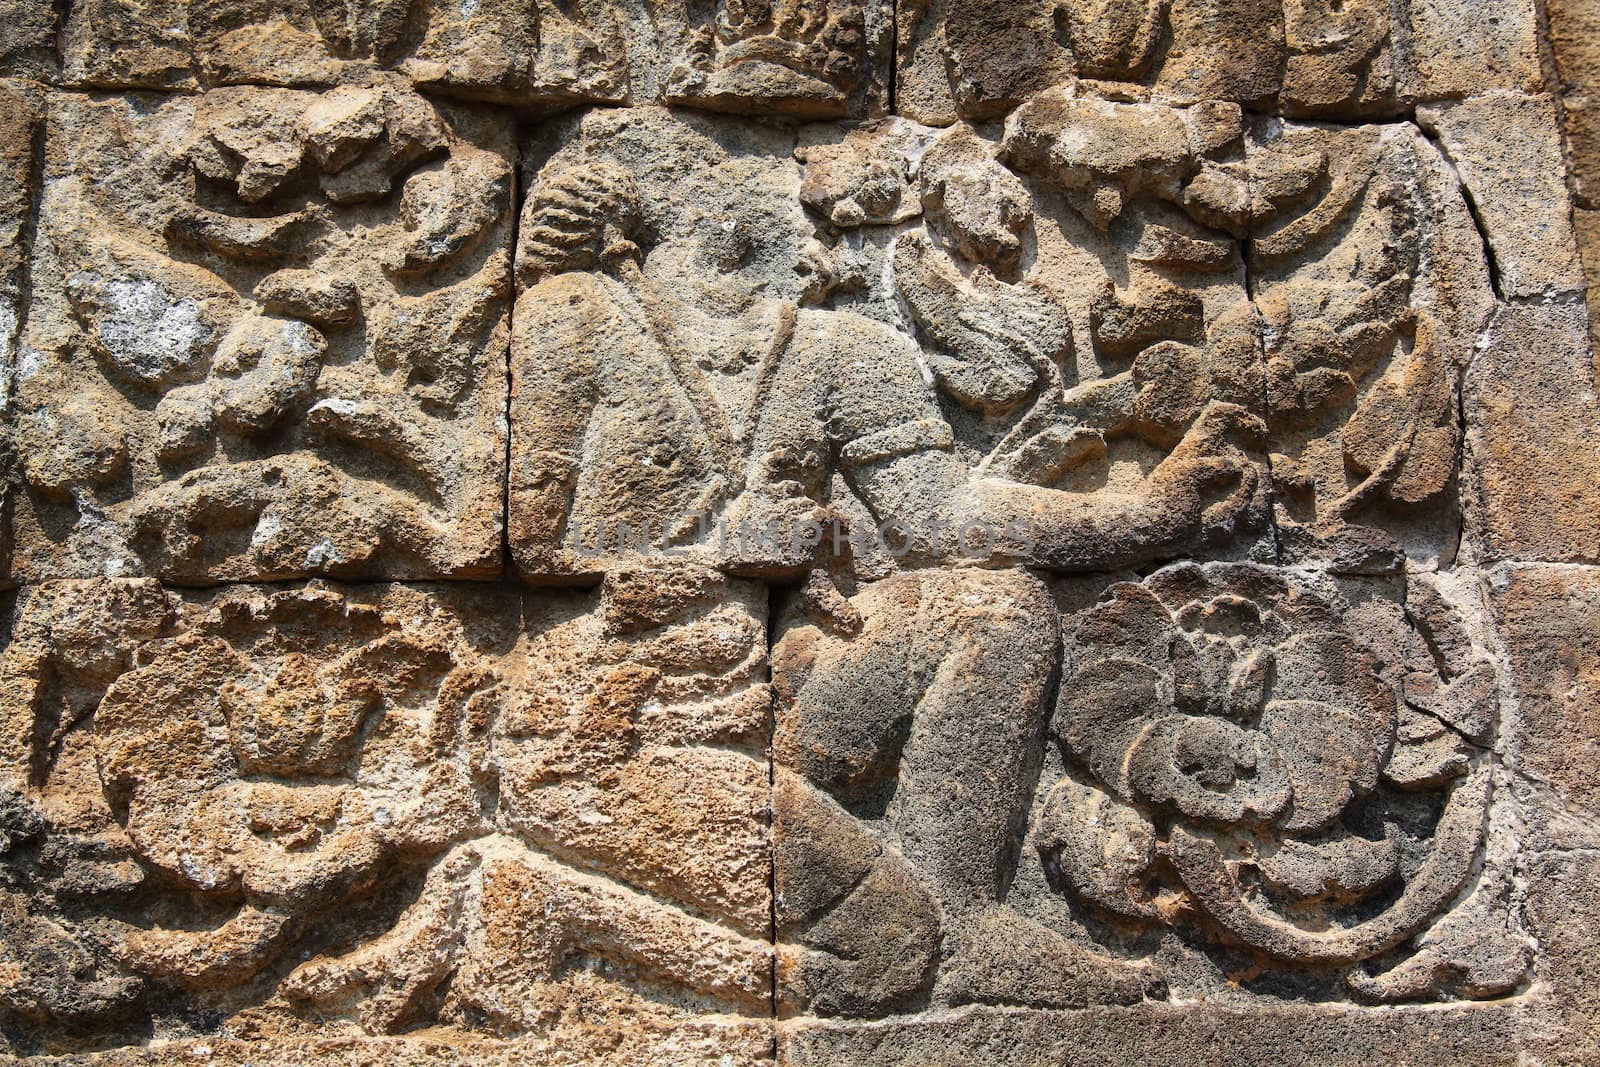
x: 627, y: 420
x: 664, y: 405
x: 919, y: 707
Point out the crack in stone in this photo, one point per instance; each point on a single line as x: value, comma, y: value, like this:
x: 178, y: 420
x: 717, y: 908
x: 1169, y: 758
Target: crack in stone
x: 508, y: 567
x: 1474, y: 212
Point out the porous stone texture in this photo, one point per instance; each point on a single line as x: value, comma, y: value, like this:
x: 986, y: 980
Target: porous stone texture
x: 799, y: 531
x: 265, y: 337
x: 266, y: 805
x: 1574, y: 32
x: 803, y: 57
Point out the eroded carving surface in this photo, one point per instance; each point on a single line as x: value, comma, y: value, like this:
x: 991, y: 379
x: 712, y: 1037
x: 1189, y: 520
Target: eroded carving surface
x: 1302, y: 57
x: 266, y: 339
x: 390, y: 805
x: 803, y: 57
x: 1292, y: 774
x: 1125, y: 310
x: 807, y: 531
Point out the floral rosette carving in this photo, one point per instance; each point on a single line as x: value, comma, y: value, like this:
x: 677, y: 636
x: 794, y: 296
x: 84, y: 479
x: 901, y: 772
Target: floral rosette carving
x: 280, y: 758
x: 1247, y: 761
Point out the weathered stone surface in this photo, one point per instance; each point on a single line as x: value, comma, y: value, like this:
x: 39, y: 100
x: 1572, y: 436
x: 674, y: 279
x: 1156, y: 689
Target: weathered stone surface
x: 1342, y: 59
x: 267, y: 338
x: 1522, y: 201
x: 1167, y: 1036
x: 1586, y: 225
x: 1459, y: 49
x: 1372, y: 287
x: 1291, y: 769
x: 1078, y: 515
x: 794, y: 57
x: 1550, y: 623
x: 336, y: 809
x: 1574, y: 29
x: 1076, y: 289
x: 1531, y: 413
x: 29, y: 47
x: 1563, y: 890
x: 707, y: 366
x: 21, y: 128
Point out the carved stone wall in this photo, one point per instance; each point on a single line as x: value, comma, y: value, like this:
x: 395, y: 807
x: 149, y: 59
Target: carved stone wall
x: 809, y: 531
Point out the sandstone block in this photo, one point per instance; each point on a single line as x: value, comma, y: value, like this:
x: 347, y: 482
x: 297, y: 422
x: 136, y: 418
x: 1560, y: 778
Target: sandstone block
x: 1564, y: 888
x: 791, y: 57
x: 266, y: 338
x: 1461, y: 49
x: 1299, y: 764
x: 1574, y: 31
x: 1586, y: 225
x: 1373, y: 289
x: 1531, y: 414
x: 1355, y: 59
x: 827, y: 338
x: 1507, y: 149
x: 21, y: 129
x: 29, y: 50
x: 737, y: 532
x: 359, y: 809
x: 1075, y: 288
x: 1549, y: 619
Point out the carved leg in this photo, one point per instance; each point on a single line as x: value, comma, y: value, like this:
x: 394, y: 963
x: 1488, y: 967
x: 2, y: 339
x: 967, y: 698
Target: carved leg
x: 535, y: 913
x: 932, y: 715
x: 387, y: 976
x: 938, y: 701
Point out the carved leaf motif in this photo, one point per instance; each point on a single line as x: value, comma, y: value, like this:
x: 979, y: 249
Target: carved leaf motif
x: 1205, y: 871
x: 1105, y: 850
x: 1404, y: 434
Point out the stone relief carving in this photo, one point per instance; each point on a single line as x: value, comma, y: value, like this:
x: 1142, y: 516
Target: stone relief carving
x: 489, y: 789
x: 813, y: 410
x: 1284, y: 773
x: 1317, y: 793
x: 267, y: 345
x: 906, y: 746
x: 1321, y: 58
x: 1030, y: 480
x: 1129, y: 312
x: 813, y: 58
x: 273, y: 803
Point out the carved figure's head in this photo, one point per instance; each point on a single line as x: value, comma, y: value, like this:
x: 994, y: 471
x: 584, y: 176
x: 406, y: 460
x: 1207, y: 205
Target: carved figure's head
x: 579, y: 217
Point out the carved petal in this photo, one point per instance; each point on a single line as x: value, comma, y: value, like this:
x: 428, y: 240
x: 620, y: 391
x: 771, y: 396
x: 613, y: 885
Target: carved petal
x: 1205, y: 872
x: 1104, y: 848
x: 1332, y: 756
x: 1343, y: 866
x: 1210, y: 769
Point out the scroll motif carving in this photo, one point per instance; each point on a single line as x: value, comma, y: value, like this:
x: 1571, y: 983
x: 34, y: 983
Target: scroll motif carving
x: 1238, y: 758
x: 502, y: 807
x: 266, y: 347
x: 1292, y: 773
x: 1317, y: 58
x: 797, y: 57
x: 726, y: 532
